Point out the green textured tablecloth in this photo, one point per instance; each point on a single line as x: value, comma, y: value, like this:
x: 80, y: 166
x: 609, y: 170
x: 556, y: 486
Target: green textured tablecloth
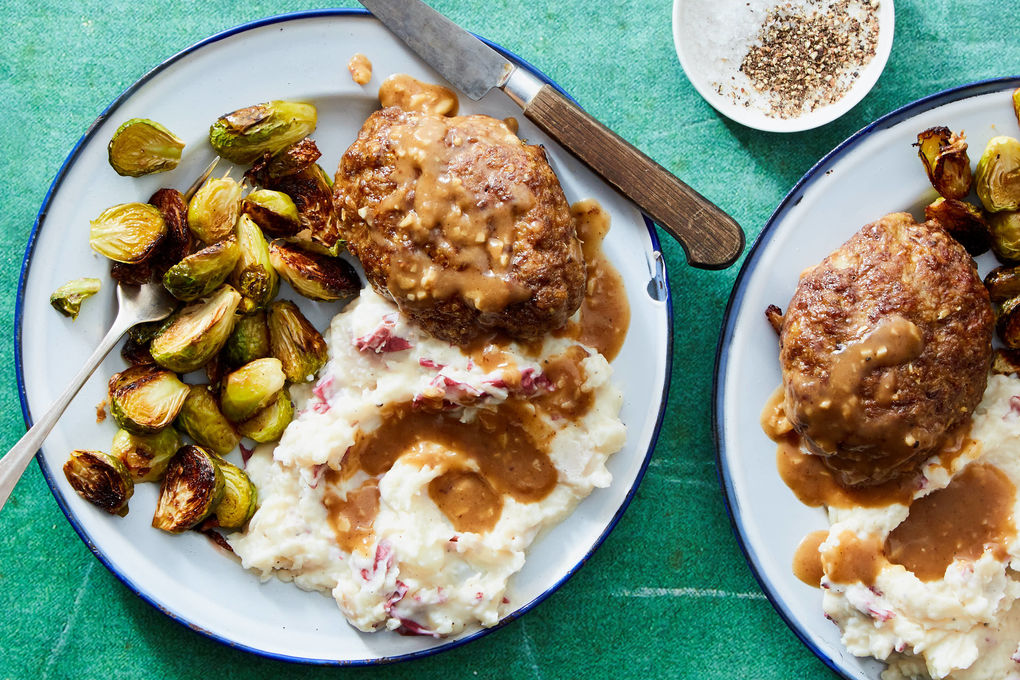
x: 669, y: 593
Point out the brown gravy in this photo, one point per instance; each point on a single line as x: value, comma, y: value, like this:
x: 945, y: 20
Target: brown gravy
x: 360, y: 69
x: 807, y: 561
x: 352, y: 517
x: 974, y: 513
x: 854, y: 559
x: 411, y: 94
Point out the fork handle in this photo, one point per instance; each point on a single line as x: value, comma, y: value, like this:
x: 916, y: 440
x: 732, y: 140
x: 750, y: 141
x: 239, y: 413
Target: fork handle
x: 13, y: 464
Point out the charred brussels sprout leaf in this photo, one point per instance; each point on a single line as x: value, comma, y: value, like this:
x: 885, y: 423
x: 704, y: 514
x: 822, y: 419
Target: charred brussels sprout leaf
x: 192, y: 487
x: 254, y: 276
x: 271, y: 168
x: 142, y: 147
x: 101, y: 479
x: 1005, y: 227
x: 202, y: 272
x: 295, y: 342
x: 177, y: 242
x: 202, y: 419
x: 249, y: 341
x: 251, y: 388
x: 68, y: 298
x: 268, y: 424
x: 944, y: 155
x: 1008, y: 323
x: 963, y: 221
x: 214, y: 208
x: 240, y: 498
x: 145, y: 399
x: 1003, y: 283
x: 136, y: 353
x: 146, y: 455
x: 997, y: 180
x: 128, y: 232
x: 273, y: 211
x: 196, y: 333
x: 243, y: 135
x: 314, y: 275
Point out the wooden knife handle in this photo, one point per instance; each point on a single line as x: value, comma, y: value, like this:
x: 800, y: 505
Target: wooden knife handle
x: 711, y: 238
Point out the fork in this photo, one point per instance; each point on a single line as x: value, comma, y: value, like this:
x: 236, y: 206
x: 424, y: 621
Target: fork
x: 135, y: 304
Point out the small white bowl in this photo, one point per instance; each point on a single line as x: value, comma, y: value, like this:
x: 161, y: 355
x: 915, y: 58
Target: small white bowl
x: 754, y: 117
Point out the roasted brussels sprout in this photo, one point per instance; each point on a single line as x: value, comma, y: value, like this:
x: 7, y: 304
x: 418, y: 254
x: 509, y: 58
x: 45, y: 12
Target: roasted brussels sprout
x: 1008, y: 323
x: 268, y: 424
x: 202, y: 420
x: 202, y: 272
x: 192, y: 487
x: 240, y: 498
x: 245, y: 134
x: 314, y: 275
x: 273, y: 211
x: 254, y: 276
x: 944, y: 155
x: 128, y: 232
x: 177, y: 243
x: 963, y: 221
x: 1003, y: 283
x: 134, y: 274
x: 146, y: 455
x: 1005, y: 228
x: 249, y: 341
x: 145, y: 399
x: 101, y: 479
x: 997, y: 179
x: 1006, y: 361
x: 295, y: 342
x: 68, y: 298
x: 213, y: 210
x: 136, y: 353
x: 193, y: 335
x: 299, y: 156
x: 142, y: 146
x: 144, y: 332
x: 251, y: 388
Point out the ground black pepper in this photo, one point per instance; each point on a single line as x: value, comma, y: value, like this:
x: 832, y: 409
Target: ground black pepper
x: 808, y: 53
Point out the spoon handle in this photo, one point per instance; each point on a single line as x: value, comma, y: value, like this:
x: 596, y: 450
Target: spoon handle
x: 13, y: 464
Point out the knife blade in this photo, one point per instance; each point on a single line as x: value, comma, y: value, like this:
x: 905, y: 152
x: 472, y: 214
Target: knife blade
x: 710, y: 238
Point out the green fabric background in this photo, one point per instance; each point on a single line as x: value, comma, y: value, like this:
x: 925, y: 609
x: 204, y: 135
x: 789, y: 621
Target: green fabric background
x: 669, y: 593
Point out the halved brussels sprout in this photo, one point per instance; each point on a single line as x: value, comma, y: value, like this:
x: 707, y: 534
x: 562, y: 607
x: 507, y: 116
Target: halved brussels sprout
x: 128, y: 232
x: 142, y: 146
x: 273, y: 211
x: 997, y: 179
x: 1006, y: 361
x: 202, y: 272
x: 136, y: 353
x: 192, y: 487
x: 177, y: 243
x: 249, y: 341
x: 68, y: 298
x: 1008, y: 323
x: 196, y: 333
x: 144, y: 332
x: 291, y: 160
x: 268, y: 424
x: 145, y: 399
x: 134, y: 274
x: 1003, y: 283
x: 314, y: 275
x: 251, y: 388
x: 295, y: 342
x: 240, y: 498
x: 146, y: 455
x: 254, y: 276
x: 963, y: 221
x: 246, y: 134
x: 101, y: 479
x: 944, y: 155
x: 1005, y: 228
x: 202, y: 420
x: 214, y: 208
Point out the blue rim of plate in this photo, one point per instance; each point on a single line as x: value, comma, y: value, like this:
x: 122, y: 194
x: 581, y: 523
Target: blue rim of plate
x: 659, y: 276
x: 736, y: 299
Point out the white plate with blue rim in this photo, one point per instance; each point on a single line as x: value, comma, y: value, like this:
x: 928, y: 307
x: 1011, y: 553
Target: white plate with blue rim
x: 874, y: 172
x: 302, y: 57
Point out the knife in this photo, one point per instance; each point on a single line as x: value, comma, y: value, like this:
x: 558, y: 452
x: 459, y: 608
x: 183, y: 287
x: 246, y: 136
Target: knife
x: 710, y: 238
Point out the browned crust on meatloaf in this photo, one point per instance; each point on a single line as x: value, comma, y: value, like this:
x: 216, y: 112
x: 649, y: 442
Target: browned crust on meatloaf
x: 893, y: 271
x: 506, y: 183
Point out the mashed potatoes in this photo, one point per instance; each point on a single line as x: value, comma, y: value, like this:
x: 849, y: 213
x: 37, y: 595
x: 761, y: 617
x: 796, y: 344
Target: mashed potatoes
x: 963, y: 622
x: 416, y: 475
